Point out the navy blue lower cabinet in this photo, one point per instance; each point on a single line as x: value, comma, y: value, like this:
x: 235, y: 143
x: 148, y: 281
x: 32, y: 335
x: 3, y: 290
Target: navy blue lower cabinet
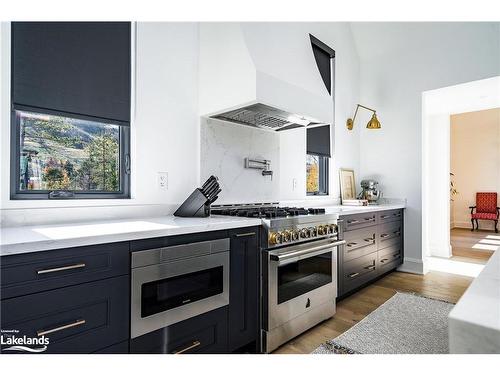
x: 205, y: 333
x: 77, y: 319
x: 244, y: 290
x: 35, y: 272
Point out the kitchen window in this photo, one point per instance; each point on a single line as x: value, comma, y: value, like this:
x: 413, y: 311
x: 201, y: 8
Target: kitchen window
x: 317, y: 174
x: 70, y: 110
x: 64, y: 157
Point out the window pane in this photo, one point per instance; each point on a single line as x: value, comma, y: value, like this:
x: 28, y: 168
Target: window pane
x: 61, y: 153
x: 312, y: 176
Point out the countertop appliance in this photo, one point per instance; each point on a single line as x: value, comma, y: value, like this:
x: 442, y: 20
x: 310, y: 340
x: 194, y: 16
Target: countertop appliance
x: 370, y: 191
x: 175, y: 283
x: 299, y: 267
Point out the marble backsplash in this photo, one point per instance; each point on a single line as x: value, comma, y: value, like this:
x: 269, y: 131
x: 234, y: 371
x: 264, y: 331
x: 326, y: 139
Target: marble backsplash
x: 224, y: 147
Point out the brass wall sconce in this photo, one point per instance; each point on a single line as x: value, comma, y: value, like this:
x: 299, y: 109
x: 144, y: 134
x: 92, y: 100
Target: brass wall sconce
x: 372, y: 124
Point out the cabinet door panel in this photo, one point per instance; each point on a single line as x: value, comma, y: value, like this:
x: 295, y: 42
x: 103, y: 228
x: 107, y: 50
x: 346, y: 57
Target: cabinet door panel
x: 77, y: 319
x: 244, y: 288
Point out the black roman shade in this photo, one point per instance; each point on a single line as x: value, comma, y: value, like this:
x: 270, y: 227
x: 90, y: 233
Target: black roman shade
x: 77, y: 68
x: 318, y: 141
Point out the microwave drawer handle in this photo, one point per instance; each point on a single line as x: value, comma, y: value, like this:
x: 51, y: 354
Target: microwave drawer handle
x: 245, y: 234
x: 192, y: 346
x: 65, y: 268
x: 76, y: 323
x: 295, y: 254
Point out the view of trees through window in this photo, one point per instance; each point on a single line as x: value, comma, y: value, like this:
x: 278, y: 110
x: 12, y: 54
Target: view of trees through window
x: 60, y: 153
x: 312, y: 176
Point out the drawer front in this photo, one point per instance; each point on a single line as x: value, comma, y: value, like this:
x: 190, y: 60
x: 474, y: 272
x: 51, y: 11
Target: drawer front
x: 356, y: 221
x: 206, y: 333
x: 36, y: 272
x: 76, y: 319
x: 389, y: 258
x: 390, y: 215
x: 359, y: 242
x: 390, y: 234
x: 358, y: 272
x: 120, y: 348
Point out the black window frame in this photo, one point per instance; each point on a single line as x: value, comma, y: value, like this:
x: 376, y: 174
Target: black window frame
x: 323, y: 176
x: 15, y: 155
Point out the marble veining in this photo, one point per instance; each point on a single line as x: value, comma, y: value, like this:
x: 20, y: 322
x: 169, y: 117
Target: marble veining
x: 224, y: 147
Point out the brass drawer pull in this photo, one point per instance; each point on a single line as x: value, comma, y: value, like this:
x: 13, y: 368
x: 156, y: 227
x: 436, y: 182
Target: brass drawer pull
x: 369, y: 239
x: 384, y: 216
x: 352, y: 275
x: 397, y: 233
x: 396, y: 255
x: 384, y: 260
x: 351, y: 244
x: 57, y: 269
x: 372, y: 267
x: 245, y: 234
x: 384, y: 235
x: 370, y: 218
x: 192, y: 346
x: 78, y: 322
x: 352, y: 221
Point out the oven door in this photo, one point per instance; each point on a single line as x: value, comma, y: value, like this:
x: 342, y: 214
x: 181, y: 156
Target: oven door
x: 167, y: 293
x: 300, y: 278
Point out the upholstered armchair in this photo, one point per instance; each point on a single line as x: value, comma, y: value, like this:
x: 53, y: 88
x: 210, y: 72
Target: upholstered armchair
x: 486, y: 209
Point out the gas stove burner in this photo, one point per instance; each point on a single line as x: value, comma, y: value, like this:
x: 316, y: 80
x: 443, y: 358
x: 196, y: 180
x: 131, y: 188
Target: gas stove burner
x: 265, y: 211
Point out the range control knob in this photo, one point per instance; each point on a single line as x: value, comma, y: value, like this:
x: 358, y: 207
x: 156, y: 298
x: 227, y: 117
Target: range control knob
x: 304, y: 233
x: 333, y: 228
x: 295, y: 235
x: 312, y: 231
x: 287, y: 236
x: 321, y: 230
x: 275, y: 238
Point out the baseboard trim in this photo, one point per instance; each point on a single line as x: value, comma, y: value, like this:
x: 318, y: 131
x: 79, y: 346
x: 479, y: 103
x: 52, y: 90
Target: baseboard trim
x: 412, y: 265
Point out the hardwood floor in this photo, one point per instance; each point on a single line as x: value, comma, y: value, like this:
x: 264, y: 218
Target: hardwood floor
x: 443, y: 286
x: 473, y: 247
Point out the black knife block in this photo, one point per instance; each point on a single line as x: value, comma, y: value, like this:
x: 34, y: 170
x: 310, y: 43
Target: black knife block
x: 196, y: 205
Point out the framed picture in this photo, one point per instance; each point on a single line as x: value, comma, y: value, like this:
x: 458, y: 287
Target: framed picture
x: 347, y: 184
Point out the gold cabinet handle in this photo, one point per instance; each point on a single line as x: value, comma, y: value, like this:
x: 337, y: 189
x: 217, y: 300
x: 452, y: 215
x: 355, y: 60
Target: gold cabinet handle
x: 245, y: 234
x: 369, y: 239
x: 351, y: 244
x: 192, y: 346
x: 64, y: 268
x: 397, y: 233
x: 370, y: 218
x: 384, y: 235
x: 372, y: 267
x: 352, y: 275
x: 384, y: 216
x: 396, y: 255
x: 384, y: 260
x: 76, y: 323
x: 352, y: 221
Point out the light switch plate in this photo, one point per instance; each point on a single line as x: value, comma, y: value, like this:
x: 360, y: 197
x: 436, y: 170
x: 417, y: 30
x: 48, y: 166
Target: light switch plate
x: 163, y: 180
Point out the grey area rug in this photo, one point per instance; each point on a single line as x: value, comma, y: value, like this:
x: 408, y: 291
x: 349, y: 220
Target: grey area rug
x: 404, y: 324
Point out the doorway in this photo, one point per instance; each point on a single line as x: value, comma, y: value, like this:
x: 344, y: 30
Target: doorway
x: 441, y: 108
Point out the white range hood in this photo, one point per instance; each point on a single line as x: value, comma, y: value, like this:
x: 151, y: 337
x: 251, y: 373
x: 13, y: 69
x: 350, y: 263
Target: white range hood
x: 257, y: 78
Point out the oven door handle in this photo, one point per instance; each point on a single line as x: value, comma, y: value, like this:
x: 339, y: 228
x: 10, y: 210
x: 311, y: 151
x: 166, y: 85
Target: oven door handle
x: 312, y: 251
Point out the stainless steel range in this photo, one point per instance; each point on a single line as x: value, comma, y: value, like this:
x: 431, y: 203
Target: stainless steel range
x: 299, y: 267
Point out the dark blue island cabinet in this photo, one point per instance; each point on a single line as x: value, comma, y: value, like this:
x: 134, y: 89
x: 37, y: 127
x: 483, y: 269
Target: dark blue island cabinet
x: 79, y: 298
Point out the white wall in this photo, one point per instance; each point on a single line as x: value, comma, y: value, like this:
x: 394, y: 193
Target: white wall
x: 165, y: 131
x: 398, y: 62
x: 475, y: 161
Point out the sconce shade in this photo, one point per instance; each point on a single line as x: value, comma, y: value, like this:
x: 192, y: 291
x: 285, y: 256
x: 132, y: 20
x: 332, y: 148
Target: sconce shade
x: 374, y: 123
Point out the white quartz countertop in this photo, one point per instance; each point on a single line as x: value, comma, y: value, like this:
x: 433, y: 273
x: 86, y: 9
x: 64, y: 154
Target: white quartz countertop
x: 27, y: 239
x: 474, y: 323
x: 349, y: 210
